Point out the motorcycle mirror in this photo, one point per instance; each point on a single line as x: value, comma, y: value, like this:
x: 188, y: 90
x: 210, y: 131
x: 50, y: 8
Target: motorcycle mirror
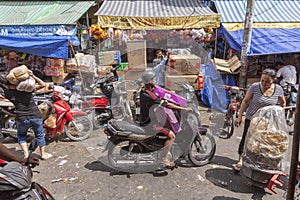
x: 33, y: 145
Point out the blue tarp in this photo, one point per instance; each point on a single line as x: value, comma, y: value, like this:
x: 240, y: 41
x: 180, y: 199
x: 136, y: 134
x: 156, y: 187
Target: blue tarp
x: 265, y: 40
x: 213, y: 93
x: 46, y: 41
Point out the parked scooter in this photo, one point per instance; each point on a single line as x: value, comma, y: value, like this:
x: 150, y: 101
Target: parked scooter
x: 290, y: 94
x: 74, y: 123
x: 16, y: 181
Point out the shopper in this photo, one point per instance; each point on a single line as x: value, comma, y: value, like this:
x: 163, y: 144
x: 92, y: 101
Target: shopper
x: 260, y: 94
x: 27, y: 114
x: 286, y: 74
x: 160, y: 71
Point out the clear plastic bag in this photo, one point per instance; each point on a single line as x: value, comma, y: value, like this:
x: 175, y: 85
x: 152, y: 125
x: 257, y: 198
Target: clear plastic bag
x: 267, y: 140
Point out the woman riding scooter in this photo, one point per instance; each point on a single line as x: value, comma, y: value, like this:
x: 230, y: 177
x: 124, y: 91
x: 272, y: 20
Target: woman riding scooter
x: 148, y: 99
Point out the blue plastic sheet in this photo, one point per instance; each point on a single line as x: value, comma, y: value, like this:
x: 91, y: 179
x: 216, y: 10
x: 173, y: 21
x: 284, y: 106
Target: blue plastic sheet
x: 265, y: 40
x: 213, y: 93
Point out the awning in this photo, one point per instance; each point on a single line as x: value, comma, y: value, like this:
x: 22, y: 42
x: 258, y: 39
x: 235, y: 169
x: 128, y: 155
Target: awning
x: 158, y: 14
x: 41, y: 28
x: 42, y: 12
x: 265, y: 11
x: 275, y: 25
x: 265, y: 41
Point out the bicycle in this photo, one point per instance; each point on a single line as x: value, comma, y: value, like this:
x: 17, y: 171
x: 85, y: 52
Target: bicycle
x: 236, y: 95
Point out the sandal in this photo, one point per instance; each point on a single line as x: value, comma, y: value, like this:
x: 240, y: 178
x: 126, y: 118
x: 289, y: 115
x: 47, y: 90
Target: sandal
x: 237, y: 167
x: 169, y: 165
x: 47, y: 156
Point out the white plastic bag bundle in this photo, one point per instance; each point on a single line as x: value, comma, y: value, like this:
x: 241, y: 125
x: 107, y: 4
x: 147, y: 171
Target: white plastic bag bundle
x: 26, y: 85
x: 267, y: 139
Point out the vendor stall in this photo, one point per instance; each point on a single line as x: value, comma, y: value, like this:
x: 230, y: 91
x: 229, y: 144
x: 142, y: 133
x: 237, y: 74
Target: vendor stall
x: 275, y: 32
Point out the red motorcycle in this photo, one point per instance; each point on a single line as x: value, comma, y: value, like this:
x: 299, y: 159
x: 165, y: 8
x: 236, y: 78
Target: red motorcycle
x: 74, y: 123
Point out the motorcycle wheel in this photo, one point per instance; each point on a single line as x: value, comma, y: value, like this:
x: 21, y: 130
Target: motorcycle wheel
x: 80, y: 128
x: 120, y: 157
x: 228, y: 128
x: 202, y: 150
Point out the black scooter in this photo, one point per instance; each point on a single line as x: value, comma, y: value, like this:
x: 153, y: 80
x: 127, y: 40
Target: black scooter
x: 16, y: 181
x: 135, y: 149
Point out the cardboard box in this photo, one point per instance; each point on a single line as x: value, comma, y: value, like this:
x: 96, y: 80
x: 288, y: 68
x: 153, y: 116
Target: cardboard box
x: 171, y: 81
x: 230, y: 66
x: 184, y: 64
x: 109, y: 57
x: 136, y: 55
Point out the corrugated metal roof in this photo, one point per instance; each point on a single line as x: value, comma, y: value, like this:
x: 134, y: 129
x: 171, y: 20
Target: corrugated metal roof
x: 264, y: 10
x: 42, y: 12
x: 157, y: 8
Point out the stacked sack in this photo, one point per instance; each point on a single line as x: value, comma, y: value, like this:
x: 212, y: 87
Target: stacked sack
x: 19, y: 76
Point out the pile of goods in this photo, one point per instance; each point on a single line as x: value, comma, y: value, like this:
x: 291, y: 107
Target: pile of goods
x: 19, y: 76
x: 267, y: 139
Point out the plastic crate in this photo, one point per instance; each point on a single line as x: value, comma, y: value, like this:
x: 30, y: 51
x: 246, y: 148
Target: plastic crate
x: 122, y: 66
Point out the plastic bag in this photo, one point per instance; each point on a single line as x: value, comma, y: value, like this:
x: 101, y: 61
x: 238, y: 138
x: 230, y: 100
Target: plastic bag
x: 51, y: 121
x: 18, y: 74
x: 27, y: 85
x: 267, y: 139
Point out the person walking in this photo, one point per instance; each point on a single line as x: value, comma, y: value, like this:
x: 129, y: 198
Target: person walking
x: 260, y: 94
x: 27, y: 114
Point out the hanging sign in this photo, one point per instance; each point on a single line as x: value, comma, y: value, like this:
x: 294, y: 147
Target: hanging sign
x: 34, y: 31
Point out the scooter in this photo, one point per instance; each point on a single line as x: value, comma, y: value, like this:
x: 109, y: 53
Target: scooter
x: 290, y: 94
x: 135, y: 149
x: 74, y: 123
x: 16, y: 181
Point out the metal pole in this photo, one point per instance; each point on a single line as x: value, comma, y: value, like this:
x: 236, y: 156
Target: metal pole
x: 246, y: 41
x: 295, y: 155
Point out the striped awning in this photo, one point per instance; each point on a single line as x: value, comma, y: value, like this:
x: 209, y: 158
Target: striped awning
x: 42, y: 12
x: 273, y: 11
x: 158, y: 14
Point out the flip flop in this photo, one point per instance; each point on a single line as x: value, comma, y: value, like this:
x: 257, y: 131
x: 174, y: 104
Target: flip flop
x: 48, y: 155
x: 237, y: 167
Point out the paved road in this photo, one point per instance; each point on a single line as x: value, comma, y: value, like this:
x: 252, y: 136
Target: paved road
x: 79, y: 170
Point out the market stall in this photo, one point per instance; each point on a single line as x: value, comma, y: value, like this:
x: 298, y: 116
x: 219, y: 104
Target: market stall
x: 275, y: 32
x: 142, y: 27
x: 41, y: 33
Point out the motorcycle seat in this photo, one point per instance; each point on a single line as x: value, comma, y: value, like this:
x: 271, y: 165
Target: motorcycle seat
x: 129, y: 126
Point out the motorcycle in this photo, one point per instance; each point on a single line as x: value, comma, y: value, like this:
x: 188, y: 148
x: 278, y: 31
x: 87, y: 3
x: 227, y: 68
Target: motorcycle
x: 16, y: 181
x: 133, y: 149
x: 74, y: 123
x: 8, y: 121
x: 136, y: 107
x: 290, y: 93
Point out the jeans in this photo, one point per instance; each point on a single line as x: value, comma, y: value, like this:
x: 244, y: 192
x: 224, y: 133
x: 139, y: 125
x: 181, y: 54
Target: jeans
x: 37, y: 126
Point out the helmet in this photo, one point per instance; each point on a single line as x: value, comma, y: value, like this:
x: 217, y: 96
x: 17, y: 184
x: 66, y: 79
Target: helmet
x: 147, y: 77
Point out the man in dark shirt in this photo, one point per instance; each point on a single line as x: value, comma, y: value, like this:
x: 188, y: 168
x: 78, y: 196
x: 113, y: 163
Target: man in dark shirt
x: 148, y: 99
x: 27, y: 114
